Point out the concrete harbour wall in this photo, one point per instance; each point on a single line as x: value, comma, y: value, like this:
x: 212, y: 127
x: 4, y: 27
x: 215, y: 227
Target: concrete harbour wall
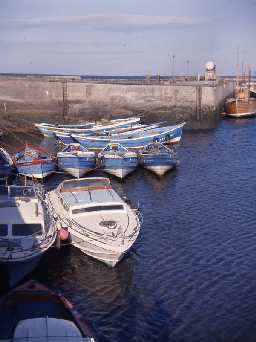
x: 50, y: 99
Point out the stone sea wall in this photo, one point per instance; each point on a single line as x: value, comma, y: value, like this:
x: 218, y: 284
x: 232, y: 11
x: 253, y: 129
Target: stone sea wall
x: 57, y: 99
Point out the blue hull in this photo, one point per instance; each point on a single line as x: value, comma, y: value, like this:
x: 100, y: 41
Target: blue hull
x: 39, y: 170
x: 76, y: 166
x: 136, y: 142
x: 5, y: 170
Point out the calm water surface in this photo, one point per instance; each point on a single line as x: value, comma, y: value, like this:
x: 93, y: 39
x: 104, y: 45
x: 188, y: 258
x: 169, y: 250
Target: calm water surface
x: 191, y: 275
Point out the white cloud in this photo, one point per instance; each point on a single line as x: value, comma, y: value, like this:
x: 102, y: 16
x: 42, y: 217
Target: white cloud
x: 115, y: 22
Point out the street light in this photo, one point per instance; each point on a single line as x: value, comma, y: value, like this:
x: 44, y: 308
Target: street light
x: 173, y: 66
x: 187, y: 61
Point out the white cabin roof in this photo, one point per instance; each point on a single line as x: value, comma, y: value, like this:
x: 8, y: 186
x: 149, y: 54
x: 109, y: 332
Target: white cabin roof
x: 89, y: 191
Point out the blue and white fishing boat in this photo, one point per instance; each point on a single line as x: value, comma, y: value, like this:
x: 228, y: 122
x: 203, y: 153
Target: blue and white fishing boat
x: 64, y: 138
x: 76, y: 160
x: 169, y: 134
x: 6, y: 163
x: 34, y: 161
x: 48, y: 130
x: 158, y: 158
x: 117, y: 160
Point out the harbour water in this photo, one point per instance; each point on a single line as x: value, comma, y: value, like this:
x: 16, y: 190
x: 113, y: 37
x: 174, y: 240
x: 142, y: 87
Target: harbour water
x: 191, y: 274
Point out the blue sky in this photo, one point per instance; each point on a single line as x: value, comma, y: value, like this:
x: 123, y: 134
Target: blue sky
x: 125, y: 37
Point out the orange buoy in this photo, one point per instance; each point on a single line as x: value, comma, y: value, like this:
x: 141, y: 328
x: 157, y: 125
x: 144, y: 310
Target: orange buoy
x: 63, y: 234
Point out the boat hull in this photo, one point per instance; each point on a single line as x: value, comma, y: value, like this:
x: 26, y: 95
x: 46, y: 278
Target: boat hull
x: 159, y: 163
x: 240, y: 108
x: 76, y: 166
x: 120, y: 167
x: 5, y: 170
x: 65, y: 139
x: 14, y: 272
x: 36, y: 169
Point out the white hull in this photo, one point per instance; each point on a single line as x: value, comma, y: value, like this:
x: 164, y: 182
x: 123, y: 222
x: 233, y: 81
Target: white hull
x: 37, y: 175
x: 105, y: 255
x: 77, y: 173
x: 160, y: 170
x: 241, y: 115
x: 120, y: 173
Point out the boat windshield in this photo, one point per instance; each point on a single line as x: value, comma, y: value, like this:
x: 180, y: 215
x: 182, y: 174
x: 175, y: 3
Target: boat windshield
x: 3, y: 229
x: 97, y: 208
x: 26, y: 229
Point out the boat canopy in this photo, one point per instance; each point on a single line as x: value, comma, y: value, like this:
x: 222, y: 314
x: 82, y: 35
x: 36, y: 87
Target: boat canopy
x: 48, y: 329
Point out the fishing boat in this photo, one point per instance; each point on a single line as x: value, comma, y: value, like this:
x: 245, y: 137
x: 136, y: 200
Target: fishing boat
x: 26, y: 231
x: 253, y: 93
x: 169, y: 134
x: 49, y: 130
x: 158, y: 158
x: 117, y: 160
x: 240, y: 108
x: 64, y: 138
x: 76, y: 160
x: 34, y: 161
x: 6, y: 163
x: 32, y: 312
x: 101, y: 224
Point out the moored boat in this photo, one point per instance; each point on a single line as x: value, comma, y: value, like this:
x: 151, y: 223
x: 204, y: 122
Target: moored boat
x: 117, y: 160
x: 6, y: 163
x: 76, y: 160
x: 169, y: 134
x: 34, y: 161
x: 253, y: 93
x: 158, y: 158
x: 26, y: 231
x: 50, y: 130
x: 100, y: 222
x: 32, y: 312
x: 240, y: 108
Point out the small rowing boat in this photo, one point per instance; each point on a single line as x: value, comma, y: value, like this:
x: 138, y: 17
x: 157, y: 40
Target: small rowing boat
x: 76, y: 160
x: 34, y: 161
x: 6, y: 163
x: 117, y: 160
x: 32, y: 313
x: 158, y: 158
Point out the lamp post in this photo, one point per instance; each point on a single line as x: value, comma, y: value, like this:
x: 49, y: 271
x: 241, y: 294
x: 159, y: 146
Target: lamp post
x: 187, y: 61
x: 173, y: 66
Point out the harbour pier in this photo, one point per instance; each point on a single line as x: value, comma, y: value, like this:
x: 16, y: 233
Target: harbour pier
x: 54, y: 98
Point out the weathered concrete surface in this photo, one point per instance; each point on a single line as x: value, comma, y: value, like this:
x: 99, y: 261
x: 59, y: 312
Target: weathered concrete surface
x: 40, y: 99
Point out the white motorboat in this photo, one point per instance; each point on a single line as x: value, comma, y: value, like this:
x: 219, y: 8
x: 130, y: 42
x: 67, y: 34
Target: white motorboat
x: 26, y: 231
x: 100, y: 222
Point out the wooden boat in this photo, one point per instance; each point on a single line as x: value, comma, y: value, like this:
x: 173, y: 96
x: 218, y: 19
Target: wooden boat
x: 101, y: 224
x: 6, y: 163
x: 158, y: 158
x: 240, y: 108
x: 34, y: 161
x: 32, y: 312
x: 169, y: 134
x: 253, y: 93
x: 26, y: 231
x: 76, y: 160
x: 117, y: 160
